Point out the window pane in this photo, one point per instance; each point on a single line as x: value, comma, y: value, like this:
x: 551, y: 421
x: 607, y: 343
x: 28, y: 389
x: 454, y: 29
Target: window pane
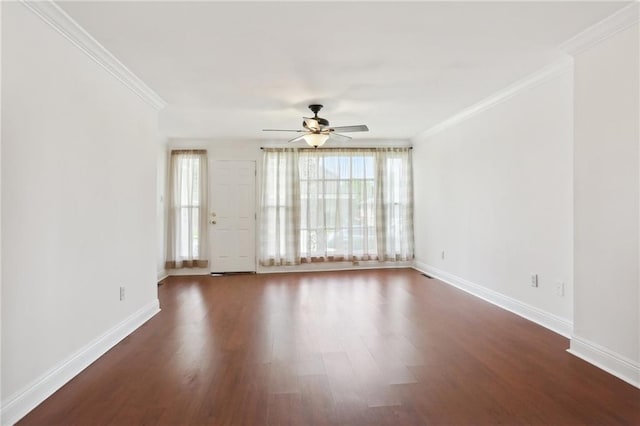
x: 357, y: 170
x: 338, y: 204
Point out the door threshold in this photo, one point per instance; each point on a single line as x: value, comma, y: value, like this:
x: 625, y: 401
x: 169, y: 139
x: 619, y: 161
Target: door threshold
x: 222, y: 274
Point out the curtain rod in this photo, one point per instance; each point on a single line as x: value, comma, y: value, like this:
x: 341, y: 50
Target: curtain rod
x: 346, y: 147
x: 188, y: 151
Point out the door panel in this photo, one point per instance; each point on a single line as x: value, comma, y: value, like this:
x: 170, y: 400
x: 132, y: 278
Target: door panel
x: 232, y: 207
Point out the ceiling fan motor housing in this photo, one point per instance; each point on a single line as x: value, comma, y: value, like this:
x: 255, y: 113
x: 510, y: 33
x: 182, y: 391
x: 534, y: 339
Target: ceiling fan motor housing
x: 315, y: 108
x: 321, y: 121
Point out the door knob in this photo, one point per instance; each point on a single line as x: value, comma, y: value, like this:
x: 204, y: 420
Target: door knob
x: 213, y: 214
x: 213, y: 222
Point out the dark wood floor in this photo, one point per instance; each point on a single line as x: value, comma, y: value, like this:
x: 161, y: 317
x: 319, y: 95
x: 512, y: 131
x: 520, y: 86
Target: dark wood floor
x: 359, y: 348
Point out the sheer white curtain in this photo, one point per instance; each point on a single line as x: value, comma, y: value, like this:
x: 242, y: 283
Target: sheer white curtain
x: 336, y: 205
x: 394, y: 204
x: 187, y: 224
x: 280, y: 208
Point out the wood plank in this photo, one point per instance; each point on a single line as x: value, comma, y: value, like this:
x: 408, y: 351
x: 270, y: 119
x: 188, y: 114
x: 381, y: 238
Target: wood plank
x: 375, y: 347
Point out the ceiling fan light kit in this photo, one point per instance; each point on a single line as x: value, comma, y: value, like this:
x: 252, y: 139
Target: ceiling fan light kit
x: 315, y: 139
x: 317, y: 130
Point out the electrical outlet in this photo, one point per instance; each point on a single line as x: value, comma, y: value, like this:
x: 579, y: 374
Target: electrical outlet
x: 560, y: 288
x: 121, y: 293
x: 534, y: 280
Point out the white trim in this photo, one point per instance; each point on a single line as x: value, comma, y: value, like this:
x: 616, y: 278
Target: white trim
x: 162, y: 277
x: 25, y: 400
x: 605, y: 359
x: 547, y: 73
x: 597, y: 355
x: 306, y: 267
x: 58, y: 19
x: 333, y: 266
x: 548, y: 320
x: 609, y: 26
x: 185, y: 272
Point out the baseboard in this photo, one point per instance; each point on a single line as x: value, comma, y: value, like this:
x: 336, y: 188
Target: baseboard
x: 333, y: 266
x: 187, y: 272
x: 306, y: 267
x: 603, y: 358
x: 543, y: 318
x: 25, y: 400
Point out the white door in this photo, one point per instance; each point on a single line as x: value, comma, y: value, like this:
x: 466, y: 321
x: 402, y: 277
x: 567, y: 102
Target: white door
x: 232, y: 216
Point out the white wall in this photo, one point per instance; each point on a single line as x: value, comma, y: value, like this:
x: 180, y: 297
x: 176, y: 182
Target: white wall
x: 494, y: 191
x: 161, y: 208
x: 78, y: 205
x: 1, y: 399
x: 607, y: 197
x: 250, y: 150
x: 218, y: 150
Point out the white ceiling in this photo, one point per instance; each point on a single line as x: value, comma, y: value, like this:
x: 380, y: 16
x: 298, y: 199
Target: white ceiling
x: 228, y: 70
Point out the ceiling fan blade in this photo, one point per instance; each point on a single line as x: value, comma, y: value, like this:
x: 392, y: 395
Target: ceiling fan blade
x: 346, y: 129
x: 296, y: 139
x: 282, y: 130
x: 311, y: 123
x: 339, y: 138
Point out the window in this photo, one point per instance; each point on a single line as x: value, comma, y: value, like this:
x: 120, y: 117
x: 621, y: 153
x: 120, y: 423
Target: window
x: 335, y: 205
x: 186, y: 245
x: 337, y: 198
x: 280, y: 207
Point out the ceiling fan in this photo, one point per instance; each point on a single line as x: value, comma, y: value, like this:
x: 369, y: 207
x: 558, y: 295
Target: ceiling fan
x: 317, y: 130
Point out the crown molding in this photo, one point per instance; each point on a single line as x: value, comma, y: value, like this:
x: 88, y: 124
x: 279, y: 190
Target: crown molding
x: 58, y: 19
x: 613, y: 24
x: 532, y: 80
